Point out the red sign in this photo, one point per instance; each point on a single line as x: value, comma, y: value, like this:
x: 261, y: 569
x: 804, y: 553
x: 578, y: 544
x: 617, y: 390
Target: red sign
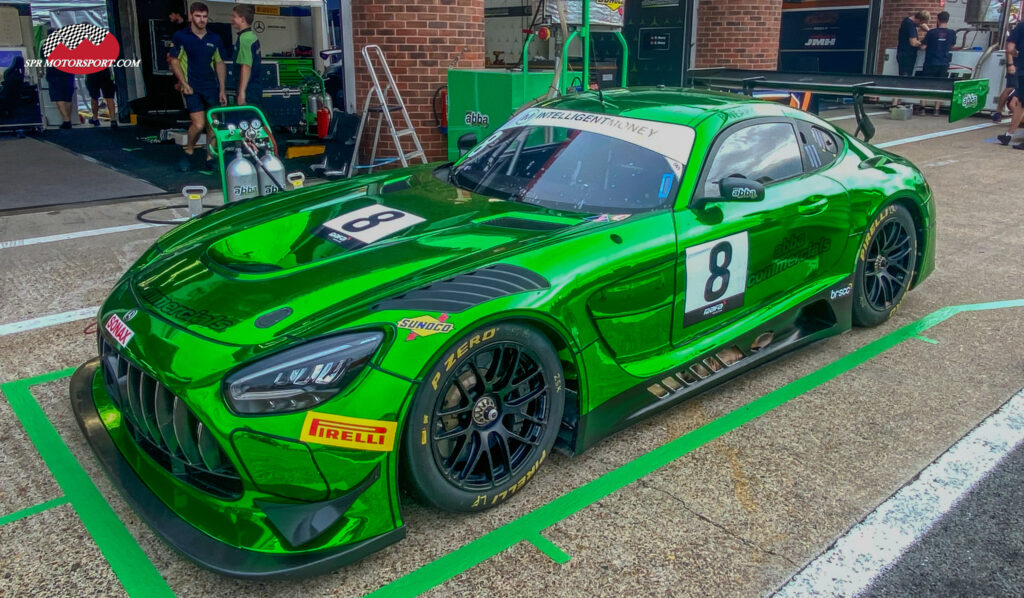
x: 81, y: 49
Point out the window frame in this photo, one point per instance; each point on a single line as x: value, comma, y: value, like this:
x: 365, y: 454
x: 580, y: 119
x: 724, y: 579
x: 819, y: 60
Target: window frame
x: 728, y: 132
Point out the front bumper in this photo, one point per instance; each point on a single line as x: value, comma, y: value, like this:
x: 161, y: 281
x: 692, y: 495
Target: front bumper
x: 194, y: 544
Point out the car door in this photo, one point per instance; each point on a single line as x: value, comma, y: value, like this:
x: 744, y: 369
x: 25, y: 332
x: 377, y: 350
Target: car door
x: 738, y: 258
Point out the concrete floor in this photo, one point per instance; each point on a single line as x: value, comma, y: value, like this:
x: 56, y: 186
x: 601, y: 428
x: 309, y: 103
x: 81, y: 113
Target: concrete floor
x: 737, y: 516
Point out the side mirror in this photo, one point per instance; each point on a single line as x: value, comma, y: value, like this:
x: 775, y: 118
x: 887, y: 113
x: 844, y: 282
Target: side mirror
x: 737, y: 188
x: 466, y: 142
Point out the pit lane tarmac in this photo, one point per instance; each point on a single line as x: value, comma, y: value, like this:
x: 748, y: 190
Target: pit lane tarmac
x: 730, y: 494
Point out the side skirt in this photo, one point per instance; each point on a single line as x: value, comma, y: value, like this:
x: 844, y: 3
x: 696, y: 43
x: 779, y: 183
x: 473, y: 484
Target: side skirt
x: 820, y: 317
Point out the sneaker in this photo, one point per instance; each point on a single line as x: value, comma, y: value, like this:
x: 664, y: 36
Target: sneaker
x: 94, y: 122
x: 1004, y: 139
x: 210, y: 165
x: 66, y: 124
x: 185, y: 163
x: 1019, y: 146
x: 997, y: 117
x: 113, y: 124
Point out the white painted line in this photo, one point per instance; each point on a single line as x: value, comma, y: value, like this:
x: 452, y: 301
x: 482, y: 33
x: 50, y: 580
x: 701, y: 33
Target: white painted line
x: 77, y: 235
x: 875, y: 544
x: 933, y: 135
x: 68, y: 316
x: 853, y: 115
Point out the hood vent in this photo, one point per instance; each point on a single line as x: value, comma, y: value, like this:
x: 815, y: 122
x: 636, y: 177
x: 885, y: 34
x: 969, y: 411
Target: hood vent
x: 468, y: 290
x: 525, y: 224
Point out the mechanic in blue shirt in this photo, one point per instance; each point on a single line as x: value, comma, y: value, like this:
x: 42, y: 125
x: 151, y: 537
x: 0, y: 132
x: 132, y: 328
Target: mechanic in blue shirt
x: 248, y: 56
x: 196, y: 58
x: 907, y: 45
x: 938, y: 48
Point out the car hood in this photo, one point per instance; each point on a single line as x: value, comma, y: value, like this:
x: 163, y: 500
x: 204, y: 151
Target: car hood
x: 272, y: 268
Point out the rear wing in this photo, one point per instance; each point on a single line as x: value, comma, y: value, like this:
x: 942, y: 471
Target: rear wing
x: 965, y: 96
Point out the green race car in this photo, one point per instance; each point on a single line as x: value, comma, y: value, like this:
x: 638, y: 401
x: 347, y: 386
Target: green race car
x: 272, y: 374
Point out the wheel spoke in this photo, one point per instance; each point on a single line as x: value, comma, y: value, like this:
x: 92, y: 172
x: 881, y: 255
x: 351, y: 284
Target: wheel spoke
x: 522, y: 439
x: 903, y: 253
x: 455, y: 411
x: 522, y: 401
x: 481, y: 382
x: 450, y: 434
x: 476, y: 450
x: 499, y: 452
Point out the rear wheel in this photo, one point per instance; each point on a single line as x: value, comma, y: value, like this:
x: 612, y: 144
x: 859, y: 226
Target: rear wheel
x: 885, y: 266
x: 484, y: 418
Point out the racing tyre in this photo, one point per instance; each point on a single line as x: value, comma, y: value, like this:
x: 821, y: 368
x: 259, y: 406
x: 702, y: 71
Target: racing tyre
x: 484, y: 418
x: 885, y: 266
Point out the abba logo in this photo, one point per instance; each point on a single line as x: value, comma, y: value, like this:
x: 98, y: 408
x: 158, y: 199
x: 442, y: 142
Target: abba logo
x: 970, y: 100
x: 425, y: 326
x: 81, y: 49
x: 837, y: 293
x: 477, y: 119
x: 119, y: 330
x: 743, y: 193
x: 348, y: 432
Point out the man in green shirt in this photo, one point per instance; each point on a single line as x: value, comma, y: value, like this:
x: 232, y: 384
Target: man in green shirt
x: 247, y: 56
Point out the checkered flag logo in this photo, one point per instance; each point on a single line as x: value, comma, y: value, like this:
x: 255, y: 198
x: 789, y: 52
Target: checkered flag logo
x: 72, y: 35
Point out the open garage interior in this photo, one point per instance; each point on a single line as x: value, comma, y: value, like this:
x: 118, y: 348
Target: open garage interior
x: 506, y: 298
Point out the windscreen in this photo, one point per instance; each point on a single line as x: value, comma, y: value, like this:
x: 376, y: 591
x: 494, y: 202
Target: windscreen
x: 579, y: 161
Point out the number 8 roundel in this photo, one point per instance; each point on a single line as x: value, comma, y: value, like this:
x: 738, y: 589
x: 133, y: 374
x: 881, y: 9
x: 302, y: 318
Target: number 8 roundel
x: 716, y: 277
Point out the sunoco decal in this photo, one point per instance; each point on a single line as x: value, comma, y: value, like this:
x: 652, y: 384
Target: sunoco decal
x: 119, y: 330
x: 425, y: 326
x: 348, y: 432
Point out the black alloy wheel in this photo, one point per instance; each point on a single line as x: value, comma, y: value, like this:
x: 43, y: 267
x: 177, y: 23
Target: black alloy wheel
x: 885, y: 266
x: 493, y: 418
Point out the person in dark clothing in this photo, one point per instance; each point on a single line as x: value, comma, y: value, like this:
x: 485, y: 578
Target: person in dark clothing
x: 938, y: 48
x: 12, y: 86
x: 198, y: 63
x: 907, y: 45
x: 248, y: 57
x: 102, y: 82
x: 62, y: 92
x: 1014, y: 61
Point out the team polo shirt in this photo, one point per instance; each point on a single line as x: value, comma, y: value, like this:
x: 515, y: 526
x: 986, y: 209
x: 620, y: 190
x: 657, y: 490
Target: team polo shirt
x: 939, y: 42
x: 197, y: 56
x: 1017, y: 37
x: 907, y: 30
x: 247, y: 51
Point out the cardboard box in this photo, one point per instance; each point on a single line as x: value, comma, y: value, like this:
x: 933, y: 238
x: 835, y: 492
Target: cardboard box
x: 901, y: 112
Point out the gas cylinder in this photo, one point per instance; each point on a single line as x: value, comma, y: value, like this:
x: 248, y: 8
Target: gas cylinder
x: 269, y: 183
x: 240, y: 177
x: 323, y: 121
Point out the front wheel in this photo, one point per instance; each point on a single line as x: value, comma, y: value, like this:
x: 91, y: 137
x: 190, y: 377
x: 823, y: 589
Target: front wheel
x: 484, y: 418
x: 885, y: 266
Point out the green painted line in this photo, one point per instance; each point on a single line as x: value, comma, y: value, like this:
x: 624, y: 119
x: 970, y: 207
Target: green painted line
x: 529, y: 526
x: 549, y: 548
x: 128, y: 561
x: 56, y: 502
x: 926, y: 339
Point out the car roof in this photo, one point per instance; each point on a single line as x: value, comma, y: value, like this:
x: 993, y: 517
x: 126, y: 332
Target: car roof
x: 677, y: 105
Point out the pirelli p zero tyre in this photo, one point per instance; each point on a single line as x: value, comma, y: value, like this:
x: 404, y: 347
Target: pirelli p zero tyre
x: 484, y: 418
x: 885, y: 266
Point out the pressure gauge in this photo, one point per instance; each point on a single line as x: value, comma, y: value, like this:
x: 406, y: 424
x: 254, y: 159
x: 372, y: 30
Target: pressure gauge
x: 243, y: 125
x: 256, y: 124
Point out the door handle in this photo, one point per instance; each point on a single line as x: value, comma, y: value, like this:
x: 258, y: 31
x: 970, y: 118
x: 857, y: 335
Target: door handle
x: 812, y: 205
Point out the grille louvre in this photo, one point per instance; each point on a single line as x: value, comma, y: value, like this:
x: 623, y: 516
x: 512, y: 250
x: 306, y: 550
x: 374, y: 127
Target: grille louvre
x: 467, y: 290
x: 165, y: 428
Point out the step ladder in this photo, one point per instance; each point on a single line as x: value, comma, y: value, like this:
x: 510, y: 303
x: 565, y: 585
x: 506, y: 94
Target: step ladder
x: 382, y: 109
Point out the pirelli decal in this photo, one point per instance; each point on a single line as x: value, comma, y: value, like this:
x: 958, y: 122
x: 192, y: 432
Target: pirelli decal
x: 349, y: 432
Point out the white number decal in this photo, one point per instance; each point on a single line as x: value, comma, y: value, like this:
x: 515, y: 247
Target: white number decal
x: 372, y: 223
x: 716, y: 277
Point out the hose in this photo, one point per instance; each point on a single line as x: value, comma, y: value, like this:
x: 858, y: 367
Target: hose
x: 141, y: 216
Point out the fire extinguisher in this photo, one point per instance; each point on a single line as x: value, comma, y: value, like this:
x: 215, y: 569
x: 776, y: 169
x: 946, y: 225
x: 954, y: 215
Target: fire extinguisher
x: 323, y: 121
x: 441, y: 114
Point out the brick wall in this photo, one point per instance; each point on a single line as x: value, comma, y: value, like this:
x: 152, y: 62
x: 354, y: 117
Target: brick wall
x: 738, y: 34
x: 893, y: 12
x: 420, y: 38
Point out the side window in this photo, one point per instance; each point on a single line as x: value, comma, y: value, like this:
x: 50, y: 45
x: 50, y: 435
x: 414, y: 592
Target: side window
x: 822, y: 147
x: 765, y: 152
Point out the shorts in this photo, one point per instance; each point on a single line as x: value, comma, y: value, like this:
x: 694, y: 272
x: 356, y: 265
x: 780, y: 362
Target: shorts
x: 906, y: 64
x: 201, y: 100
x: 62, y: 86
x: 940, y: 71
x: 1011, y: 81
x: 100, y: 82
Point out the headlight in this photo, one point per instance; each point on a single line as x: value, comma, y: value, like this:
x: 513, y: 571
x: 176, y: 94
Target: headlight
x: 302, y: 377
